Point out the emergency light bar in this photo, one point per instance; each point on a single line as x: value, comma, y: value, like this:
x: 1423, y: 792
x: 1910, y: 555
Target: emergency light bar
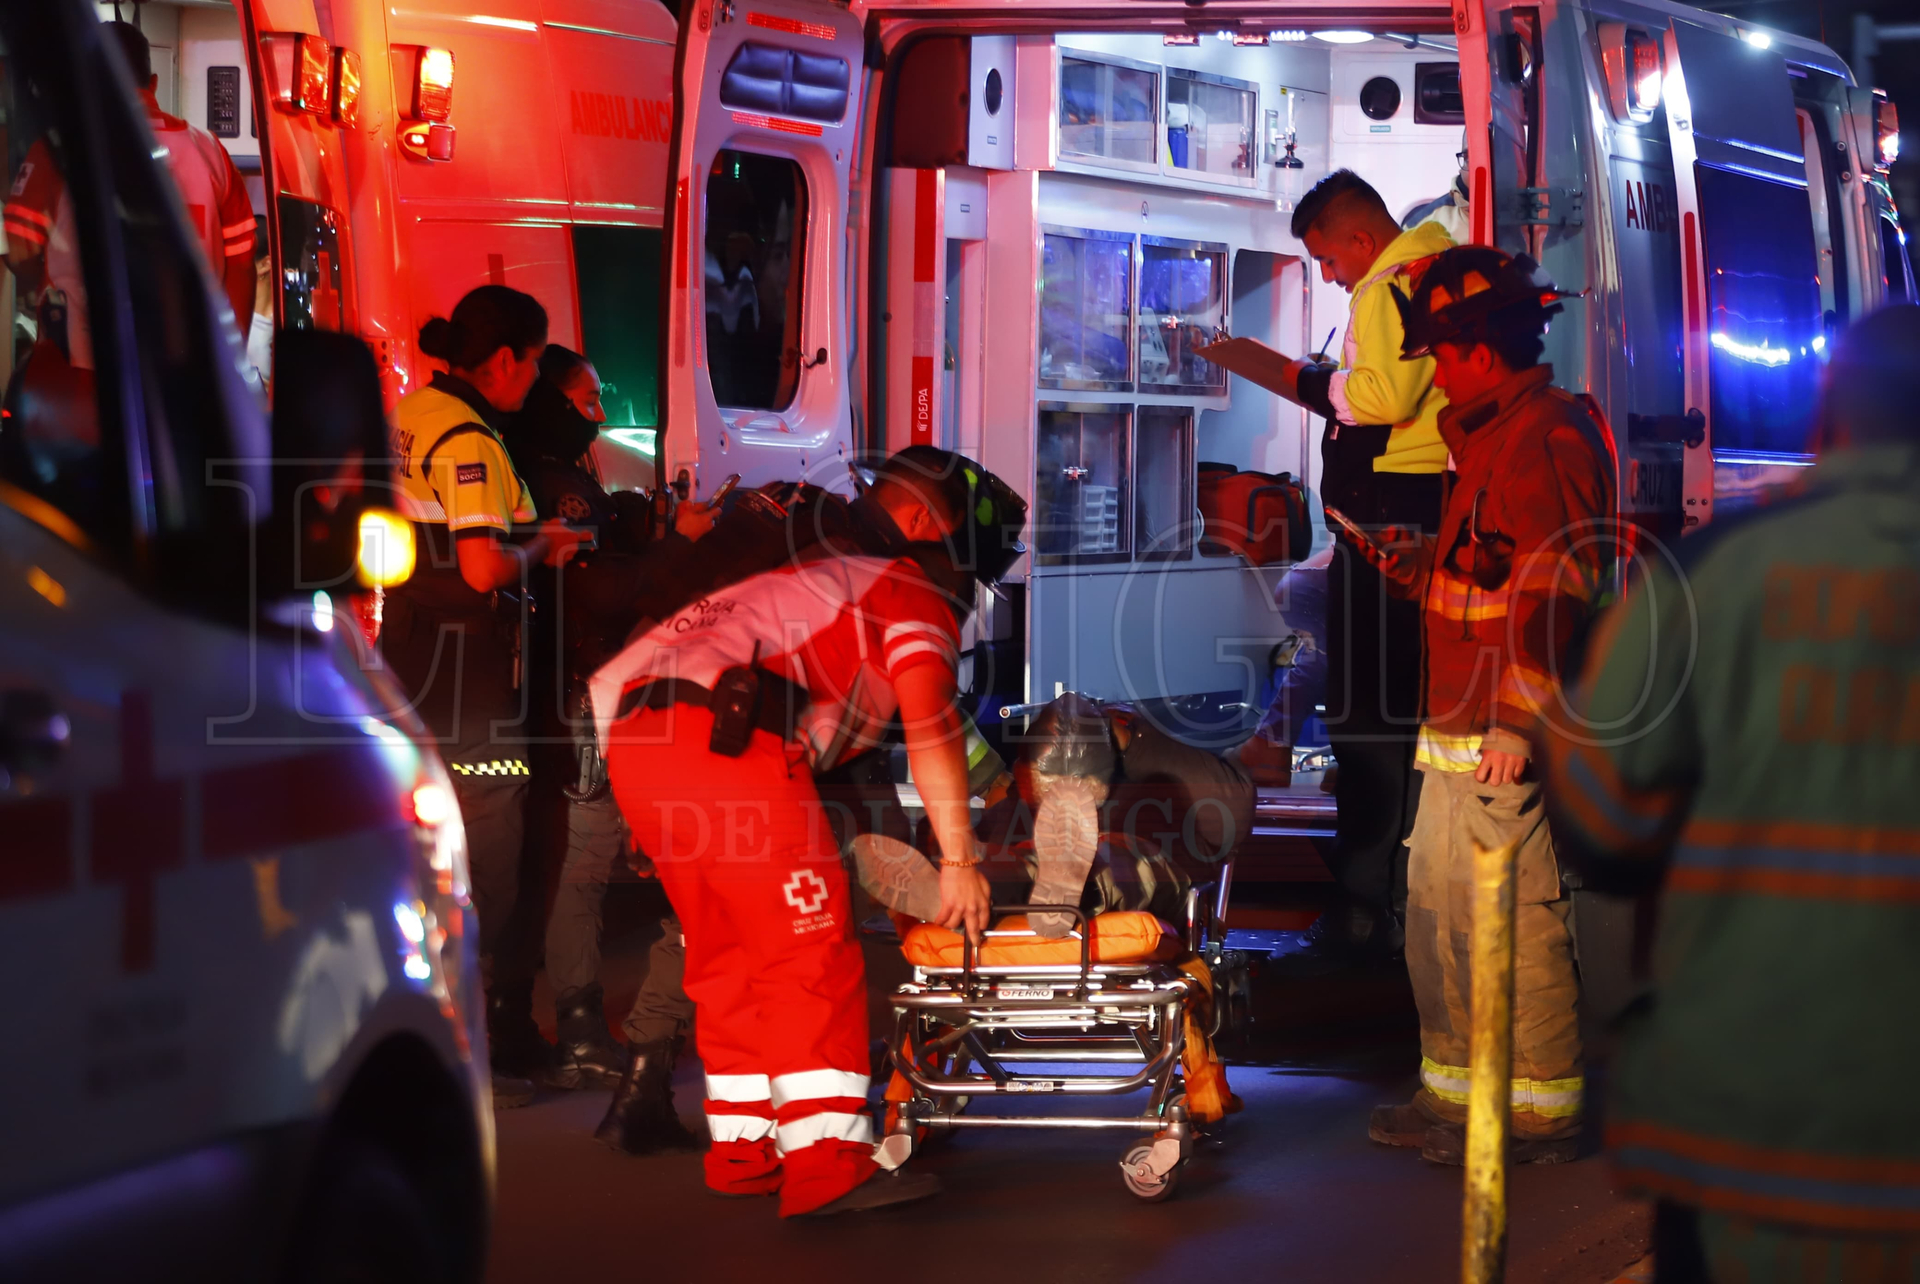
x: 300, y: 70
x: 1633, y: 67
x: 1886, y: 131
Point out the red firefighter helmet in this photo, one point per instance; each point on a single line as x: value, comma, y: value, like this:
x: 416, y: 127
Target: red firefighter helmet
x: 1468, y: 291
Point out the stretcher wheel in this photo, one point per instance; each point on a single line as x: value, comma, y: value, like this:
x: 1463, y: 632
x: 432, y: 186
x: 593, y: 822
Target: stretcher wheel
x: 1139, y: 1179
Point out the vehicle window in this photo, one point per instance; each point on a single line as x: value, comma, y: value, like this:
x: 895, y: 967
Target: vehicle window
x: 1108, y: 112
x: 1763, y: 300
x: 755, y: 246
x: 50, y: 428
x: 1182, y: 304
x: 617, y: 270
x: 1209, y: 125
x: 1081, y: 483
x: 310, y: 293
x: 136, y: 385
x: 1895, y: 267
x: 1086, y: 311
x: 1163, y: 481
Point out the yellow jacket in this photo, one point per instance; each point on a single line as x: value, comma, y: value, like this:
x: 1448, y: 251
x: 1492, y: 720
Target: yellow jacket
x: 1373, y: 385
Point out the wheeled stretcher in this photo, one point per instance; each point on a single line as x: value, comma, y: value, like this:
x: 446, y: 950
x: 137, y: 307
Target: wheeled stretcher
x: 1106, y: 1011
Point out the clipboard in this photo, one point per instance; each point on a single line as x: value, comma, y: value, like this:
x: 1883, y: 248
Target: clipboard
x: 1251, y: 359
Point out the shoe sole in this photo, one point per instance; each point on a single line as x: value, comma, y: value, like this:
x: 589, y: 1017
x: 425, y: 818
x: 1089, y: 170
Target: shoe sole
x: 1066, y: 838
x: 1404, y: 1141
x: 897, y: 876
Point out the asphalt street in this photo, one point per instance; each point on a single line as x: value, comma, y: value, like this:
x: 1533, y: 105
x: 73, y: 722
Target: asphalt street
x: 1289, y: 1189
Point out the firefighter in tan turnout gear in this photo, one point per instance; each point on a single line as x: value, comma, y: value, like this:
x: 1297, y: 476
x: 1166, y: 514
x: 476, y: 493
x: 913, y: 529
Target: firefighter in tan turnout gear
x: 1524, y: 547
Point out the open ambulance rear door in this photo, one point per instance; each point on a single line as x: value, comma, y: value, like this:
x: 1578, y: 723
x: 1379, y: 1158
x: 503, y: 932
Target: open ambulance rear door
x: 309, y: 89
x: 758, y: 341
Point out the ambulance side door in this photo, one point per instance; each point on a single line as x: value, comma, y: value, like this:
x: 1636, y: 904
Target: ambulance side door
x: 1754, y: 332
x: 758, y: 345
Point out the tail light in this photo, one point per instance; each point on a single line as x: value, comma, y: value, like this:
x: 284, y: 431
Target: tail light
x: 432, y: 98
x: 386, y: 555
x: 346, y: 87
x: 1886, y: 130
x: 1644, y: 68
x: 1634, y: 66
x: 300, y: 70
x: 432, y: 805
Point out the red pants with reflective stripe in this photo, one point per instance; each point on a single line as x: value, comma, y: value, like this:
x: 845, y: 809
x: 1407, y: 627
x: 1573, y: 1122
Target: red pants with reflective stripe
x: 745, y: 854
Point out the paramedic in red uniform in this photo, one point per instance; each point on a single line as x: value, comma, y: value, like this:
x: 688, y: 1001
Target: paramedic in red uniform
x: 839, y: 641
x: 42, y: 245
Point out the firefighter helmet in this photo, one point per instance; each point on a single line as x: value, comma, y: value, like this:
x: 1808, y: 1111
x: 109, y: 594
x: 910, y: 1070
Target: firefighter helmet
x: 1468, y: 290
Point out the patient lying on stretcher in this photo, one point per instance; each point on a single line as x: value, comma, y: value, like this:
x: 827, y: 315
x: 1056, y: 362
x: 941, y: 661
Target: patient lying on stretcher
x: 1103, y: 811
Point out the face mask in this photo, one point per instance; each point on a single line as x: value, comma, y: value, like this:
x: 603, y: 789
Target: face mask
x: 549, y: 425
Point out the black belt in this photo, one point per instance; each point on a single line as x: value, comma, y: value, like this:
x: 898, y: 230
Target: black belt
x: 781, y: 702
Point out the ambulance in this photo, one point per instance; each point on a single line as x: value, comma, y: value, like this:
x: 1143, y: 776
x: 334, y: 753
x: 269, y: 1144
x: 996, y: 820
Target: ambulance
x: 243, y: 1008
x: 1004, y: 227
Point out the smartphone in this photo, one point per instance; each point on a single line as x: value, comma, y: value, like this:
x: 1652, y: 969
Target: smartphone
x: 1346, y: 524
x: 726, y: 488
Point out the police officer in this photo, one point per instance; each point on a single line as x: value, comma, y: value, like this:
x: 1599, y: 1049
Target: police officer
x: 452, y: 634
x: 588, y: 607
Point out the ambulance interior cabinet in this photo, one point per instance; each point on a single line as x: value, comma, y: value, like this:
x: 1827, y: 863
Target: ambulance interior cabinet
x: 1086, y: 310
x: 1082, y: 506
x: 1163, y: 479
x: 1210, y: 125
x: 1109, y: 112
x: 1182, y: 306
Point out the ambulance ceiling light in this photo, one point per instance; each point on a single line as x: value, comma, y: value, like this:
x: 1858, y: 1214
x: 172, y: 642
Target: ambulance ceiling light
x: 1758, y: 39
x: 1344, y: 37
x: 1287, y: 37
x: 642, y: 441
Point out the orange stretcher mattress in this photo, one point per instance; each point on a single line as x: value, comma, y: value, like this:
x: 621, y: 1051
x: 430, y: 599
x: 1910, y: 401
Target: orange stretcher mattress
x: 1124, y: 936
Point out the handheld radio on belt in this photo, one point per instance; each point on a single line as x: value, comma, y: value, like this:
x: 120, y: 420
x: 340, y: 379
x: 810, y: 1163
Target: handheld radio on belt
x: 736, y: 707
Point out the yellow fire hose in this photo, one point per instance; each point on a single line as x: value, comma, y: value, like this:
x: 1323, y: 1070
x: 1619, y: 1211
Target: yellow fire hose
x: 1483, y: 1244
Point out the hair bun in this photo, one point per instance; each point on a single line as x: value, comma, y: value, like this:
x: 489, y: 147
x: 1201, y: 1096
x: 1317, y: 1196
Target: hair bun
x: 440, y: 339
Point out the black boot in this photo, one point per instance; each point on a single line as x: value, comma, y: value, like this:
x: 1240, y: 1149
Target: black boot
x: 512, y: 1037
x: 641, y: 1118
x: 586, y: 1055
x: 1347, y: 935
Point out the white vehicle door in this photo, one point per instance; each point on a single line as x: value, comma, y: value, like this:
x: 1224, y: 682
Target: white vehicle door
x: 759, y: 354
x: 1753, y: 333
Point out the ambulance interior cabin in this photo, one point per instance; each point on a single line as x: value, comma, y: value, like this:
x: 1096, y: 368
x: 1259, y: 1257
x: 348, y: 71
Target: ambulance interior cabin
x: 1127, y: 197
x: 413, y: 154
x: 1127, y: 202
